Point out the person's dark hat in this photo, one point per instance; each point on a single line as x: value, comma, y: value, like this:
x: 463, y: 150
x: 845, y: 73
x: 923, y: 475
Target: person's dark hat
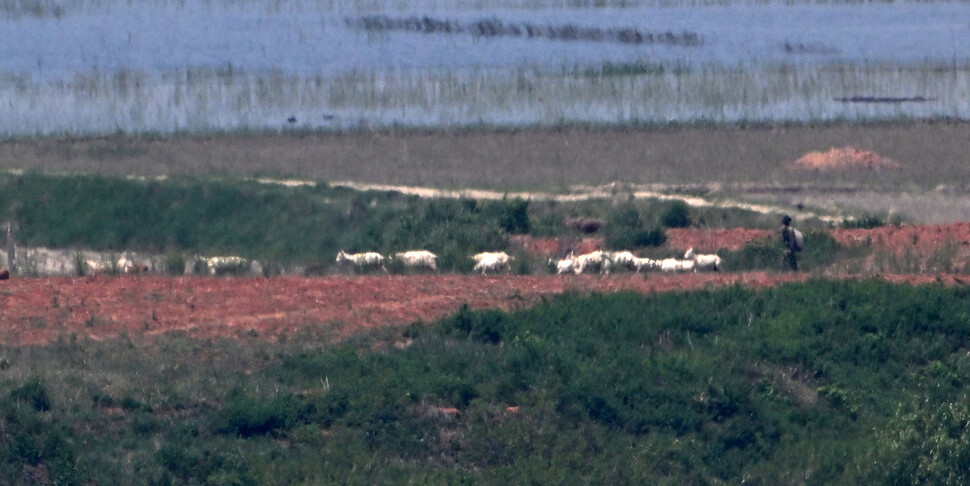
x: 786, y: 220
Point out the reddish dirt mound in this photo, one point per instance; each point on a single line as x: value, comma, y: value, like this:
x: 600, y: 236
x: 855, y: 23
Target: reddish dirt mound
x: 39, y: 310
x: 844, y: 158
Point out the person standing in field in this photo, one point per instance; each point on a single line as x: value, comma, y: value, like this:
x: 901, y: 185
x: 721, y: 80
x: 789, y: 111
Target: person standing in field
x: 792, y: 239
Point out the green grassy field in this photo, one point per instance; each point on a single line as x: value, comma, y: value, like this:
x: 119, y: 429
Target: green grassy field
x: 816, y: 383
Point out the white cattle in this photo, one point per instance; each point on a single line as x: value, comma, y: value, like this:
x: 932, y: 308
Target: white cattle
x: 417, y: 259
x: 491, y: 262
x: 597, y: 261
x: 708, y: 261
x: 672, y: 265
x: 368, y: 259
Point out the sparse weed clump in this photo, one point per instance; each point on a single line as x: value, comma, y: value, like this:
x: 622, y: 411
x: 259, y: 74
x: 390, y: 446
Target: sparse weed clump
x: 866, y: 221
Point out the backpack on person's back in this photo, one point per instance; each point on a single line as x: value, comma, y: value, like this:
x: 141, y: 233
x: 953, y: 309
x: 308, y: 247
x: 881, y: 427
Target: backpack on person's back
x: 798, y: 242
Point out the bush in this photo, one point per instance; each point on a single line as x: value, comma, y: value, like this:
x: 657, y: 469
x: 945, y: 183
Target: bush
x: 867, y: 221
x: 246, y: 416
x: 677, y: 215
x: 34, y: 394
x: 514, y: 217
x: 924, y: 445
x: 624, y: 229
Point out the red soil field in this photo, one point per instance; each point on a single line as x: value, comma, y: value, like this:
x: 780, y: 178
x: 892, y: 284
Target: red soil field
x: 39, y: 310
x: 42, y: 310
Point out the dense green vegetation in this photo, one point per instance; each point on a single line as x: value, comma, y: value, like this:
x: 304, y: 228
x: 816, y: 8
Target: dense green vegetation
x: 309, y: 224
x: 823, y: 382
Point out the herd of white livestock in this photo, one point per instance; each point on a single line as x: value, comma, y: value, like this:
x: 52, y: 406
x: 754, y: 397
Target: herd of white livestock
x: 605, y: 261
x: 217, y: 265
x: 597, y: 262
x: 602, y: 262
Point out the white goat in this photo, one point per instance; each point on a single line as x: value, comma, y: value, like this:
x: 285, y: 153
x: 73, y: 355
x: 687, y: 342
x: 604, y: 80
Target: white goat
x: 623, y: 259
x: 362, y: 260
x: 707, y: 261
x: 417, y: 258
x: 565, y: 265
x: 671, y: 265
x: 127, y: 265
x: 597, y: 261
x: 491, y: 262
x: 94, y: 267
x: 641, y: 264
x: 219, y: 265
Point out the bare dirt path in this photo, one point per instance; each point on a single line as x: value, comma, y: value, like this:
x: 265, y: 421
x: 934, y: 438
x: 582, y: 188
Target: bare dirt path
x: 585, y: 193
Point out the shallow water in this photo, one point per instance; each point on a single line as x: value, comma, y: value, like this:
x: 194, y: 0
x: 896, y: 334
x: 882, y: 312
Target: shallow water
x: 205, y: 66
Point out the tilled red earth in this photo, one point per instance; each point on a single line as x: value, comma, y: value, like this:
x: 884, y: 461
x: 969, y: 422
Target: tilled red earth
x: 40, y: 310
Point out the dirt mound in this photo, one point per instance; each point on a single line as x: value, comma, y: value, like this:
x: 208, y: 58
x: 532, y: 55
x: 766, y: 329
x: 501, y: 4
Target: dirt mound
x: 845, y: 158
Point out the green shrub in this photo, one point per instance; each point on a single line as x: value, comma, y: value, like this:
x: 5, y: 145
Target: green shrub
x: 624, y: 230
x: 677, y: 215
x: 245, y: 416
x: 514, y: 217
x: 921, y: 445
x: 866, y: 221
x: 34, y: 394
x: 486, y: 327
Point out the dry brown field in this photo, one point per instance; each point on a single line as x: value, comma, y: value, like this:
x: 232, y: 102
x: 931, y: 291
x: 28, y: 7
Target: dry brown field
x: 930, y: 153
